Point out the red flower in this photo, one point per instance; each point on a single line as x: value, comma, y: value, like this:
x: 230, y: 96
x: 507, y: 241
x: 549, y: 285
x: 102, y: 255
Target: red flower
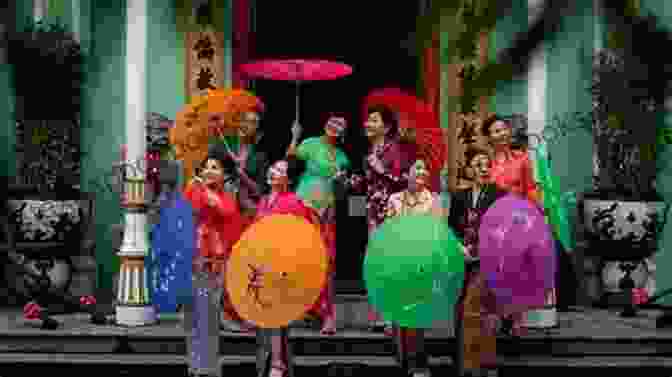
x: 32, y: 311
x: 87, y: 300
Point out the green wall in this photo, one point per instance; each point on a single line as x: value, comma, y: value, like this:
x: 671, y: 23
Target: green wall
x: 511, y: 96
x: 663, y: 258
x: 103, y: 119
x: 165, y: 61
x: 24, y: 10
x: 568, y: 77
x: 102, y: 30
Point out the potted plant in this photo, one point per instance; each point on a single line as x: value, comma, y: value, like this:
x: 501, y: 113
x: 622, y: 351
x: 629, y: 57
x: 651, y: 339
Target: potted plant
x: 47, y: 79
x: 624, y: 214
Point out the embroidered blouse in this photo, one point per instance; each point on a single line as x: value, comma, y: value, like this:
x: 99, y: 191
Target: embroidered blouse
x: 218, y: 226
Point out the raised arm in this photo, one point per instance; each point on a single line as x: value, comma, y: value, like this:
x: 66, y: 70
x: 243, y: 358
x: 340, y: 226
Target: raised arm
x: 206, y: 201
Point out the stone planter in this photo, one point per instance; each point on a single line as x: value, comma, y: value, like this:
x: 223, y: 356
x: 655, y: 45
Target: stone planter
x: 623, y: 230
x: 621, y: 233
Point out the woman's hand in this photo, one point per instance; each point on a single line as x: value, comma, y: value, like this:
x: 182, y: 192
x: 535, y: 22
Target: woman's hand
x: 297, y: 130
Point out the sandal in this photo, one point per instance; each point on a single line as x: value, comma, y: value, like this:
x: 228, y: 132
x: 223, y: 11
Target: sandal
x: 277, y: 370
x: 388, y: 329
x: 329, y: 327
x: 328, y: 330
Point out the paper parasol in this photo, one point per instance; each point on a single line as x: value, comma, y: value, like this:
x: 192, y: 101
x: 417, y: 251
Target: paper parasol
x: 297, y: 71
x: 517, y: 254
x: 414, y: 270
x: 289, y: 256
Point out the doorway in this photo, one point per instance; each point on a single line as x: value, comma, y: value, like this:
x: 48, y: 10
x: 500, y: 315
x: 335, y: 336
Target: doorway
x: 369, y: 38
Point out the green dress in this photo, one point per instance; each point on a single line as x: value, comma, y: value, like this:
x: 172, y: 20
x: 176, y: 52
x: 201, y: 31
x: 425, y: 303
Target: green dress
x: 316, y: 186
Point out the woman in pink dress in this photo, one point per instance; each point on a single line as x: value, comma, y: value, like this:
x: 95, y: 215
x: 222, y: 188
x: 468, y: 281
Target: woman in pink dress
x: 281, y: 201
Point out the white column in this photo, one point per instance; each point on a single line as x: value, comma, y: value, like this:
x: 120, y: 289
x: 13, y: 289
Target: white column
x: 40, y: 9
x: 135, y: 242
x: 76, y: 20
x: 598, y: 25
x: 536, y: 80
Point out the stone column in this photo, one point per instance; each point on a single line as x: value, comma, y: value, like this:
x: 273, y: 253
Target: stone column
x: 133, y: 307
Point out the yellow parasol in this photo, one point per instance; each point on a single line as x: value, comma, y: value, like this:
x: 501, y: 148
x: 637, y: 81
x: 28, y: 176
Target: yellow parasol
x: 287, y: 257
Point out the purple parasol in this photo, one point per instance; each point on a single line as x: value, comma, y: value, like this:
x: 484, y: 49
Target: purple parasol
x: 517, y: 254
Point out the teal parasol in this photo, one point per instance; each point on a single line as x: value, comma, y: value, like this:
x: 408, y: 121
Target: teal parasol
x: 414, y: 270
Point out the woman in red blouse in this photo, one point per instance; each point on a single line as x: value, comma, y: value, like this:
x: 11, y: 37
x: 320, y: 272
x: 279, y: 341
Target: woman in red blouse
x: 219, y: 222
x: 511, y: 170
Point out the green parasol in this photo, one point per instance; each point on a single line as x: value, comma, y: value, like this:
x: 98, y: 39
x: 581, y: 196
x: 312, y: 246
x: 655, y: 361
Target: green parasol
x: 414, y: 270
x: 555, y: 202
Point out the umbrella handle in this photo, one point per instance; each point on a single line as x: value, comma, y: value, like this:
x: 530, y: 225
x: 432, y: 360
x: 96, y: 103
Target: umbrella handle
x: 296, y: 116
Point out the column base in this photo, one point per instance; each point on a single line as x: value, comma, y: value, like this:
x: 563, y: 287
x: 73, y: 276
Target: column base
x: 136, y: 315
x: 541, y: 318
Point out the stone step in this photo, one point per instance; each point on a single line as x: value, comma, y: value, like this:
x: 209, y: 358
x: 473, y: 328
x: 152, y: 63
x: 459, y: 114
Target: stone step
x: 306, y: 363
x: 170, y: 365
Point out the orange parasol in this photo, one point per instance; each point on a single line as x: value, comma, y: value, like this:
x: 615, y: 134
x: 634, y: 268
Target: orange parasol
x: 287, y: 258
x: 414, y: 113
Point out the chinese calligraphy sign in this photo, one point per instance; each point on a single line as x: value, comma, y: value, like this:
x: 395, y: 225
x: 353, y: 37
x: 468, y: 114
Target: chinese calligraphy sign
x: 205, y: 61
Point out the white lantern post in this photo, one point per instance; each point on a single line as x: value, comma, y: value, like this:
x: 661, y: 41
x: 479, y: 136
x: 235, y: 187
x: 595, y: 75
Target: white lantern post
x: 133, y: 305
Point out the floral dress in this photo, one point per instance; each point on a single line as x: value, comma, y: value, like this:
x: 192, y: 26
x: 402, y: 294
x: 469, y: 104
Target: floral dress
x: 379, y: 186
x: 316, y: 189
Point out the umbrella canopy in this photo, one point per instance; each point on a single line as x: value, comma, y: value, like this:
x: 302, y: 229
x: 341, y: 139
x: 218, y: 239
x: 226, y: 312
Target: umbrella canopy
x: 517, y: 254
x: 415, y: 114
x: 289, y: 256
x: 414, y: 270
x: 296, y: 70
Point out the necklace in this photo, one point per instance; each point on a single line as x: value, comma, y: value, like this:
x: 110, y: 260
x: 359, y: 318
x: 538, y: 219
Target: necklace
x: 413, y: 200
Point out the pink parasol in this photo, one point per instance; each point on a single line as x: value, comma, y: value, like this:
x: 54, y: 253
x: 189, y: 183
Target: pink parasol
x: 517, y: 254
x: 296, y: 70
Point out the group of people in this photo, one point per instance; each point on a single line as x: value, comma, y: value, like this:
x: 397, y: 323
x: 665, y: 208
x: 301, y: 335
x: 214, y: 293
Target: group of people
x: 235, y: 185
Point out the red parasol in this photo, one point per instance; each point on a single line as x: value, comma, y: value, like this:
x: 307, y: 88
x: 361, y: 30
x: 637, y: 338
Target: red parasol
x: 417, y: 114
x: 296, y: 70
